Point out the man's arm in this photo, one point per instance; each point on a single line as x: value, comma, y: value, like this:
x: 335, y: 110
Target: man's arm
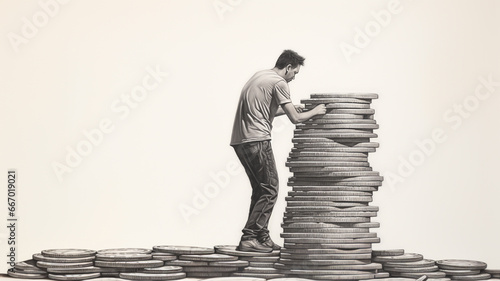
x: 299, y: 117
x: 298, y: 107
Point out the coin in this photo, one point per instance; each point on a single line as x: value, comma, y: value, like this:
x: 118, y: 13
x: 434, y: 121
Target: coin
x: 45, y: 264
x: 68, y: 253
x: 162, y: 269
x: 326, y: 256
x: 436, y: 274
x: 186, y: 263
x: 259, y: 275
x: 271, y: 259
x: 183, y: 250
x: 210, y: 269
x: 261, y: 270
x: 459, y: 272
x: 327, y: 246
x: 362, y: 266
x: 40, y: 257
x: 88, y: 269
x: 123, y: 257
x: 236, y: 263
x: 130, y: 264
x: 421, y: 263
x: 327, y: 235
x: 412, y: 269
x: 261, y: 264
x: 328, y: 99
x: 461, y: 264
x: 233, y: 278
x: 325, y: 251
x: 66, y: 277
x: 327, y: 208
x: 20, y: 274
x: 121, y: 251
x: 346, y: 95
x: 408, y: 257
x: 333, y: 241
x: 208, y: 257
x: 164, y: 257
x: 150, y: 276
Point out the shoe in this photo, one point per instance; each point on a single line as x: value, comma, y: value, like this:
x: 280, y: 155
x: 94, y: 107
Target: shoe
x: 253, y: 245
x: 268, y: 242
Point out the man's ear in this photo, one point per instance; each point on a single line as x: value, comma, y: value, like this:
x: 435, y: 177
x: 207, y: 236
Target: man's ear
x: 288, y: 68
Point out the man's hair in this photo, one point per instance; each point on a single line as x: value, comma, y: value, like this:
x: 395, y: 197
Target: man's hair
x: 289, y: 57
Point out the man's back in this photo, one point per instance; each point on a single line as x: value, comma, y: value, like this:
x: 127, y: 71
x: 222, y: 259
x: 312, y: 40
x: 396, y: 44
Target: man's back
x: 259, y: 100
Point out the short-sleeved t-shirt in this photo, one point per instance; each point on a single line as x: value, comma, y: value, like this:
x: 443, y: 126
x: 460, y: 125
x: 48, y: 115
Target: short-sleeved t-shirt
x: 259, y: 101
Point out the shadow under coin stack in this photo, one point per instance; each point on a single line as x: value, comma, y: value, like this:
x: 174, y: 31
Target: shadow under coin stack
x: 199, y: 262
x: 326, y: 226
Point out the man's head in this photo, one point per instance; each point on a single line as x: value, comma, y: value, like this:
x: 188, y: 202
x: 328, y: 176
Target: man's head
x: 288, y: 64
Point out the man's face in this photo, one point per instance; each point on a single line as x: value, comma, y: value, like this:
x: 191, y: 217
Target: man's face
x: 291, y: 72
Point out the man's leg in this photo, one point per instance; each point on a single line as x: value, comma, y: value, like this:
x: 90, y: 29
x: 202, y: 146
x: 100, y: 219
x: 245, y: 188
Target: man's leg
x: 258, y: 160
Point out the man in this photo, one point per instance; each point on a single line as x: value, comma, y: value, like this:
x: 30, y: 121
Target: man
x: 263, y: 97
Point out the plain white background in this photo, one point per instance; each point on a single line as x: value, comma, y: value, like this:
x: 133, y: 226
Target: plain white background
x: 130, y: 189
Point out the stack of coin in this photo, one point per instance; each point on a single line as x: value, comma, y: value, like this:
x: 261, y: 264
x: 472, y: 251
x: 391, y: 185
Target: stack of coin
x: 135, y: 264
x: 199, y: 262
x: 466, y: 270
x: 258, y: 265
x: 68, y: 264
x: 495, y: 273
x: 326, y: 226
x: 27, y: 269
x: 407, y: 265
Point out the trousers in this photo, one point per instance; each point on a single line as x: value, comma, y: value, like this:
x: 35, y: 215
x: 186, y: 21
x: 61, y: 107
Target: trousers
x: 258, y: 160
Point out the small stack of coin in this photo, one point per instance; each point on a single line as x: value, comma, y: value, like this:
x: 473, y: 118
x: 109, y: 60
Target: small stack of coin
x: 465, y: 270
x: 258, y: 265
x: 495, y: 273
x: 27, y: 269
x: 326, y: 226
x: 135, y: 264
x: 199, y: 262
x: 407, y: 265
x: 68, y: 264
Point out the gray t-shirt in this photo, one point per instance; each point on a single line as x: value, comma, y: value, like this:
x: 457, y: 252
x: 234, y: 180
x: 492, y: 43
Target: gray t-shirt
x: 260, y: 98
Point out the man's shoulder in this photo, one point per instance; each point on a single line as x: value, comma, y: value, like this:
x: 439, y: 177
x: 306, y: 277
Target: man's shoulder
x: 270, y: 76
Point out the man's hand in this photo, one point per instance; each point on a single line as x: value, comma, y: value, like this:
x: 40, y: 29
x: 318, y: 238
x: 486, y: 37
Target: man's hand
x: 299, y: 107
x: 299, y: 117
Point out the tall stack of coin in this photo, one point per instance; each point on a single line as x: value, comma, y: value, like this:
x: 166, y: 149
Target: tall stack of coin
x: 258, y: 265
x: 68, y: 264
x: 326, y: 226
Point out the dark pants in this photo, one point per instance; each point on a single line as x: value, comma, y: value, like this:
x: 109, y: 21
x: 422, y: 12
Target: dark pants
x: 258, y: 160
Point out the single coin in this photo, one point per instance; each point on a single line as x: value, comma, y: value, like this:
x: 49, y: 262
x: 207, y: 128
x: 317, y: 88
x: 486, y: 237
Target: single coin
x: 290, y: 279
x: 390, y: 252
x: 338, y: 116
x: 408, y: 257
x: 233, y: 278
x: 461, y: 264
x: 45, y: 264
x: 333, y: 241
x: 366, y: 111
x: 331, y: 198
x: 436, y: 274
x: 337, y: 174
x: 153, y: 277
x: 270, y: 259
x: 183, y: 250
x: 121, y: 251
x: 421, y: 263
x: 323, y: 262
x: 327, y: 208
x: 345, y: 95
x: 326, y: 272
x: 327, y: 246
x: 379, y: 275
x: 208, y: 257
x: 18, y: 274
x: 359, y: 125
x: 330, y: 184
x: 204, y: 275
x: 482, y: 276
x: 460, y: 272
x: 335, y: 188
x: 354, y: 136
x: 210, y: 269
x: 261, y: 270
x: 364, y: 266
x: 326, y: 203
x: 412, y: 269
x: 344, y: 277
x: 162, y: 269
x: 231, y: 250
x: 328, y: 99
x: 326, y: 219
x: 492, y: 271
x: 325, y: 251
x: 327, y: 148
x: 328, y: 235
x: 326, y: 164
x: 332, y: 230
x: 259, y: 275
x: 35, y: 270
x: 122, y: 257
x: 68, y: 253
x: 40, y: 257
x: 130, y: 264
x: 329, y: 214
x: 67, y: 277
x: 186, y: 263
x: 331, y: 225
x: 77, y: 270
x: 236, y: 263
x: 164, y: 258
x: 27, y: 264
x: 307, y: 153
x: 326, y: 256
